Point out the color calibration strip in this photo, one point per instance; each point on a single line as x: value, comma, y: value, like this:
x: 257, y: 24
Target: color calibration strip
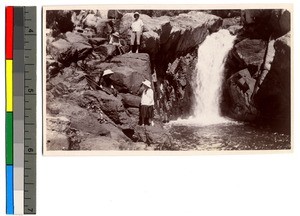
x: 20, y: 110
x: 9, y: 110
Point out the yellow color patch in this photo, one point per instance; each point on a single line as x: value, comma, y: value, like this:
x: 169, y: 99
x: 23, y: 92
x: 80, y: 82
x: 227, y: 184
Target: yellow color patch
x: 9, y: 85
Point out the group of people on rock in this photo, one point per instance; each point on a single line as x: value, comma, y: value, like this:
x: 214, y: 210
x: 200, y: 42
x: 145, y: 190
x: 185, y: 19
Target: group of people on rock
x: 136, y: 33
x: 146, y: 110
x: 147, y: 96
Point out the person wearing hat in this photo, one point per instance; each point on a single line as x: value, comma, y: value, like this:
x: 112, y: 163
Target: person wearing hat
x: 147, y: 104
x: 106, y: 83
x: 115, y: 40
x: 136, y: 31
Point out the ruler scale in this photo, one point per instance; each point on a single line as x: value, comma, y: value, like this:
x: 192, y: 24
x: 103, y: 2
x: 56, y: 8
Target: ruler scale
x: 30, y: 110
x: 20, y: 110
x: 18, y: 107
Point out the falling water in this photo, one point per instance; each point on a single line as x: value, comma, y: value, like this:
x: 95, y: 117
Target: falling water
x: 212, y: 54
x: 206, y: 130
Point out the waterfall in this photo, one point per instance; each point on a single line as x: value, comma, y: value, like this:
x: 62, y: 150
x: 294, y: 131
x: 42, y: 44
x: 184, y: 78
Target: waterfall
x: 212, y: 54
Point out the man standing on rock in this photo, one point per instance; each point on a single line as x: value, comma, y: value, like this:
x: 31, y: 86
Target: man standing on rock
x: 136, y: 31
x: 147, y: 104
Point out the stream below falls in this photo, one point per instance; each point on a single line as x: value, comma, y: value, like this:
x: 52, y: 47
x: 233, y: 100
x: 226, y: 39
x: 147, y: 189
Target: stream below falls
x: 227, y: 136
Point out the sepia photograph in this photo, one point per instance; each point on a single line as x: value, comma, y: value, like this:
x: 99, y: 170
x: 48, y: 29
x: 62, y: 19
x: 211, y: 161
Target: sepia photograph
x: 167, y: 79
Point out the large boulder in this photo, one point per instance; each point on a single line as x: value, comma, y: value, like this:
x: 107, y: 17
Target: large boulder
x: 79, y: 117
x: 127, y: 80
x: 111, y: 106
x: 195, y: 26
x: 150, y: 24
x: 152, y: 135
x: 250, y: 53
x: 240, y: 87
x: 280, y: 22
x: 273, y: 99
x: 130, y: 70
x: 262, y: 23
x: 164, y: 29
x: 73, y: 48
x: 56, y: 137
x: 130, y: 100
x: 73, y: 37
x: 69, y: 80
x: 285, y: 22
x: 150, y: 42
x: 57, y: 47
x: 137, y: 61
x: 76, y: 125
x: 80, y: 44
x: 106, y: 51
x: 156, y: 30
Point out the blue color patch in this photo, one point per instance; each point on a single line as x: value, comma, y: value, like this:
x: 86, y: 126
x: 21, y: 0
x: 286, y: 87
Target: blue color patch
x: 9, y: 189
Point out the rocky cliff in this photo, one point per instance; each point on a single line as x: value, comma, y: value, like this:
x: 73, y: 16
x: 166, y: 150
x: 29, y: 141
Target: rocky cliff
x: 258, y: 70
x: 77, y: 57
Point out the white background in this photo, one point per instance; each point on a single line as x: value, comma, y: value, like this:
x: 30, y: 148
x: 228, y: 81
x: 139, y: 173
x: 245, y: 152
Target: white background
x: 228, y: 185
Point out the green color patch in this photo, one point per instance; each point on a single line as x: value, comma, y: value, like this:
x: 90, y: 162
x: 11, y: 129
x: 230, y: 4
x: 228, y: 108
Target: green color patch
x: 9, y: 138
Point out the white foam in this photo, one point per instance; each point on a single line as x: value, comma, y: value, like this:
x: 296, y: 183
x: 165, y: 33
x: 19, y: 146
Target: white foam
x: 212, y: 54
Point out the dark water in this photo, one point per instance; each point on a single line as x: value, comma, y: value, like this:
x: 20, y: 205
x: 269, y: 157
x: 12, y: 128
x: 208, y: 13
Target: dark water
x: 227, y: 136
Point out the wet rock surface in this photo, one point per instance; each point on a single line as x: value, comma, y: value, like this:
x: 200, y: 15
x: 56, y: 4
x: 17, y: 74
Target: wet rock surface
x: 251, y: 52
x: 241, y: 87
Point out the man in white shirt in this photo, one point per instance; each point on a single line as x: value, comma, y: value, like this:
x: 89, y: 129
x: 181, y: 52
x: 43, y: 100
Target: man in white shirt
x: 147, y: 104
x: 136, y: 31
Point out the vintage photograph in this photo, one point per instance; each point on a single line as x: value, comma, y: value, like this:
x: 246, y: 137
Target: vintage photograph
x: 179, y: 79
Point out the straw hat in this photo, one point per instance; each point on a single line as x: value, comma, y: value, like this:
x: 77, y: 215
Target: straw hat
x: 116, y: 34
x: 107, y: 72
x: 147, y: 83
